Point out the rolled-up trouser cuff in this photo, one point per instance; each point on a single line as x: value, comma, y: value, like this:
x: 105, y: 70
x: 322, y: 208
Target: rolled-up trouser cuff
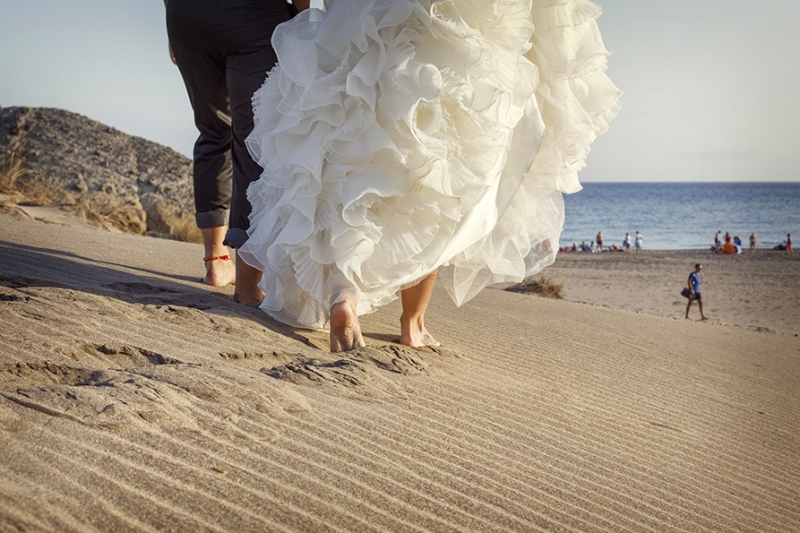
x: 212, y: 219
x: 235, y: 237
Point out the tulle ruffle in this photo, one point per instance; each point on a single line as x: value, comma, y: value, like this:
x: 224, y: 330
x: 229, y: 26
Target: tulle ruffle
x: 400, y: 136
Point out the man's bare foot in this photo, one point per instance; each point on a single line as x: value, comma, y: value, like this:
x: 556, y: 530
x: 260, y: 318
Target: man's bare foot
x: 247, y: 291
x: 414, y: 334
x: 220, y: 271
x: 252, y: 300
x: 345, y: 329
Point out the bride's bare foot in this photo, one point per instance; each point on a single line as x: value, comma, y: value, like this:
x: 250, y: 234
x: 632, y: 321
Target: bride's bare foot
x: 345, y: 329
x: 220, y: 271
x: 413, y: 333
x: 412, y: 322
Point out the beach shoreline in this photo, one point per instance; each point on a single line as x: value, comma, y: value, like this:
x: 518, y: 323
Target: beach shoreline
x: 756, y: 290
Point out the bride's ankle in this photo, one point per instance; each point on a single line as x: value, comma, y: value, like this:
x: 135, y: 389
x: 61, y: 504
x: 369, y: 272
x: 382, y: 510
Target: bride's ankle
x: 412, y: 323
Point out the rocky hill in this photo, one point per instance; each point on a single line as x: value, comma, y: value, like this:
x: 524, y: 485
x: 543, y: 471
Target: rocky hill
x: 55, y: 157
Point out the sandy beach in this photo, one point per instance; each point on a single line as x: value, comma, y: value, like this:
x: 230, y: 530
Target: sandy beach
x: 133, y: 398
x: 755, y: 290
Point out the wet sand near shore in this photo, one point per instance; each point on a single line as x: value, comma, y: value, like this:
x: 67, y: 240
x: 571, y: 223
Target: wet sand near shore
x: 133, y: 398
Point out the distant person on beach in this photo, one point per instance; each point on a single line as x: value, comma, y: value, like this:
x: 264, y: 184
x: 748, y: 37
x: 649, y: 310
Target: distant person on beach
x: 789, y: 242
x: 638, y: 242
x: 223, y: 51
x: 599, y: 241
x: 727, y: 238
x: 626, y: 242
x: 717, y: 242
x: 729, y: 248
x: 752, y: 241
x: 694, y: 289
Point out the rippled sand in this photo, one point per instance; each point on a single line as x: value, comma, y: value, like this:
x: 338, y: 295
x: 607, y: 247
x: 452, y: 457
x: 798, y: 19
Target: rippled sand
x: 132, y: 398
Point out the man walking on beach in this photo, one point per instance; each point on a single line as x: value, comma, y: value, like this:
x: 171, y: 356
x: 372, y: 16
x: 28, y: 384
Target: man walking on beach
x: 223, y: 51
x: 638, y: 241
x: 694, y: 289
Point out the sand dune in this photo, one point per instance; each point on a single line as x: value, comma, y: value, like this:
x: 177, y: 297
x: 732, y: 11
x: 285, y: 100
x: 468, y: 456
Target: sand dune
x: 132, y: 398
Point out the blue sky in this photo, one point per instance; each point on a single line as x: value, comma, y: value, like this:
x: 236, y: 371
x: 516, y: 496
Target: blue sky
x: 711, y: 87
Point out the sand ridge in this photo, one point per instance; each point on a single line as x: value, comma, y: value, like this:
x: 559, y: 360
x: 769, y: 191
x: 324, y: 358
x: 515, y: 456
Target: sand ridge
x: 133, y: 398
x: 113, y: 178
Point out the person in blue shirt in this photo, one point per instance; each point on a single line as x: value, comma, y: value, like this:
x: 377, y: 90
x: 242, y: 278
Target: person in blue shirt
x: 694, y: 288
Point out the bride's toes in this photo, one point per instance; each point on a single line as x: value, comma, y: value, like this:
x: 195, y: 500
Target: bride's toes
x: 428, y: 340
x: 418, y: 340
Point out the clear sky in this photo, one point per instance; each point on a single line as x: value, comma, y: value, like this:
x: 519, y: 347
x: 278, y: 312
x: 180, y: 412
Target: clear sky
x: 711, y: 87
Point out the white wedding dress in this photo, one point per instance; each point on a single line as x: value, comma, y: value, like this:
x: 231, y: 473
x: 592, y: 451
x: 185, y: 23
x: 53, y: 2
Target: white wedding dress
x: 398, y: 136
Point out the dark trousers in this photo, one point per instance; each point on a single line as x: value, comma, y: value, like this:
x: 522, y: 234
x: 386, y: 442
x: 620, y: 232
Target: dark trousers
x: 223, y: 51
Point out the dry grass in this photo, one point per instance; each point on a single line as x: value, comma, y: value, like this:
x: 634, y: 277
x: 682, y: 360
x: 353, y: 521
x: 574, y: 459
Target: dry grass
x: 13, y: 167
x: 21, y: 185
x: 182, y: 227
x: 541, y: 287
x: 36, y: 191
x: 111, y: 212
x: 11, y: 209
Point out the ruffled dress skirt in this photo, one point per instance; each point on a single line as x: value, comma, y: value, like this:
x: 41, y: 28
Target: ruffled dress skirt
x: 401, y: 136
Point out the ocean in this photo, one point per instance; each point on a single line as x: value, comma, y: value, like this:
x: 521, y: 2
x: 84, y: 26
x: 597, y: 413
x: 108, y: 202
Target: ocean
x: 677, y: 216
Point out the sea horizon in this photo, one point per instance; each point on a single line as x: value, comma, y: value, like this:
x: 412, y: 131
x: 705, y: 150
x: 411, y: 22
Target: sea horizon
x: 682, y: 215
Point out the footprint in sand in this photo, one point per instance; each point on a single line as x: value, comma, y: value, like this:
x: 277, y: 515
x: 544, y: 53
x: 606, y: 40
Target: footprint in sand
x: 363, y: 372
x: 15, y: 282
x: 140, y: 289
